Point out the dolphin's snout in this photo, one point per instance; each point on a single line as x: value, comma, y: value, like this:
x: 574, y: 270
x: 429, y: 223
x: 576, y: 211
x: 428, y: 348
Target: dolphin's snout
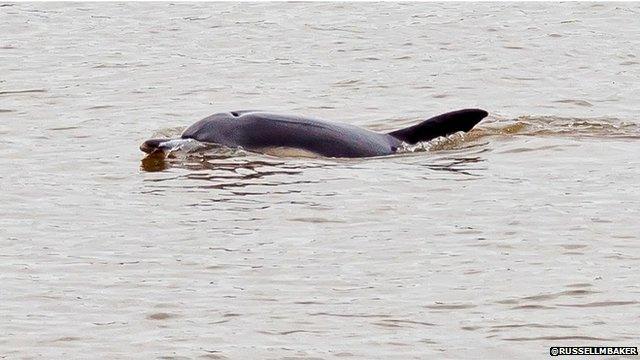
x: 152, y: 145
x: 156, y: 146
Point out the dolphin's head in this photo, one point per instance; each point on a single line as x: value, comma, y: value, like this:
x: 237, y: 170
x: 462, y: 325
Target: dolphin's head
x: 153, y: 145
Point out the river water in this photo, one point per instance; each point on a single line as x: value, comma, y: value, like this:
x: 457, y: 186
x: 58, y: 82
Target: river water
x: 500, y: 243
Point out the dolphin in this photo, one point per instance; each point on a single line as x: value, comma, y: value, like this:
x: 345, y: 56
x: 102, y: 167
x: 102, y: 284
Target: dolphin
x: 293, y: 135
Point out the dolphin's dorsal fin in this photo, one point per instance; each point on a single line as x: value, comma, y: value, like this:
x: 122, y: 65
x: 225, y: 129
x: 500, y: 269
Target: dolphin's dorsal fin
x: 441, y: 125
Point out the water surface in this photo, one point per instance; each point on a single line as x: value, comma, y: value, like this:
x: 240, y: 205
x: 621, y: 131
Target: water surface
x: 518, y: 236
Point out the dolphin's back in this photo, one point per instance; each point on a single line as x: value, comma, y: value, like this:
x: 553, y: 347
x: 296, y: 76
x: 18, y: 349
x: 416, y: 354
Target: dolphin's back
x: 260, y: 131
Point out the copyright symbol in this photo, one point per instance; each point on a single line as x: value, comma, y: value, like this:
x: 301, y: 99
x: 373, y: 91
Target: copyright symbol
x: 553, y: 351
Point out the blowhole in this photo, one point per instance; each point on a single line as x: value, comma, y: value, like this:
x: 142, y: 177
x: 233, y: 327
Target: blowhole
x: 234, y: 114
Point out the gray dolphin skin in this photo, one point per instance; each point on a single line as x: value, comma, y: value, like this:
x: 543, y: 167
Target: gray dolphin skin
x: 266, y: 132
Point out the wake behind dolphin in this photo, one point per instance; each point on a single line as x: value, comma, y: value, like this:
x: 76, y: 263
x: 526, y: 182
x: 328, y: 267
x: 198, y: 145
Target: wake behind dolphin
x: 277, y: 134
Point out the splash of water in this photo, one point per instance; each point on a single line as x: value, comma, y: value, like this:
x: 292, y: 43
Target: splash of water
x: 562, y: 126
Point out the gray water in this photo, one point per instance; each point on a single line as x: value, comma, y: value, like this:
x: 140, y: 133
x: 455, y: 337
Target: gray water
x: 520, y: 235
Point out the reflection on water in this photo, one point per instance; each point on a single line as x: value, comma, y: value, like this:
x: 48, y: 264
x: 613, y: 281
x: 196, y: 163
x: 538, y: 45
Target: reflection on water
x: 227, y: 168
x: 154, y: 162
